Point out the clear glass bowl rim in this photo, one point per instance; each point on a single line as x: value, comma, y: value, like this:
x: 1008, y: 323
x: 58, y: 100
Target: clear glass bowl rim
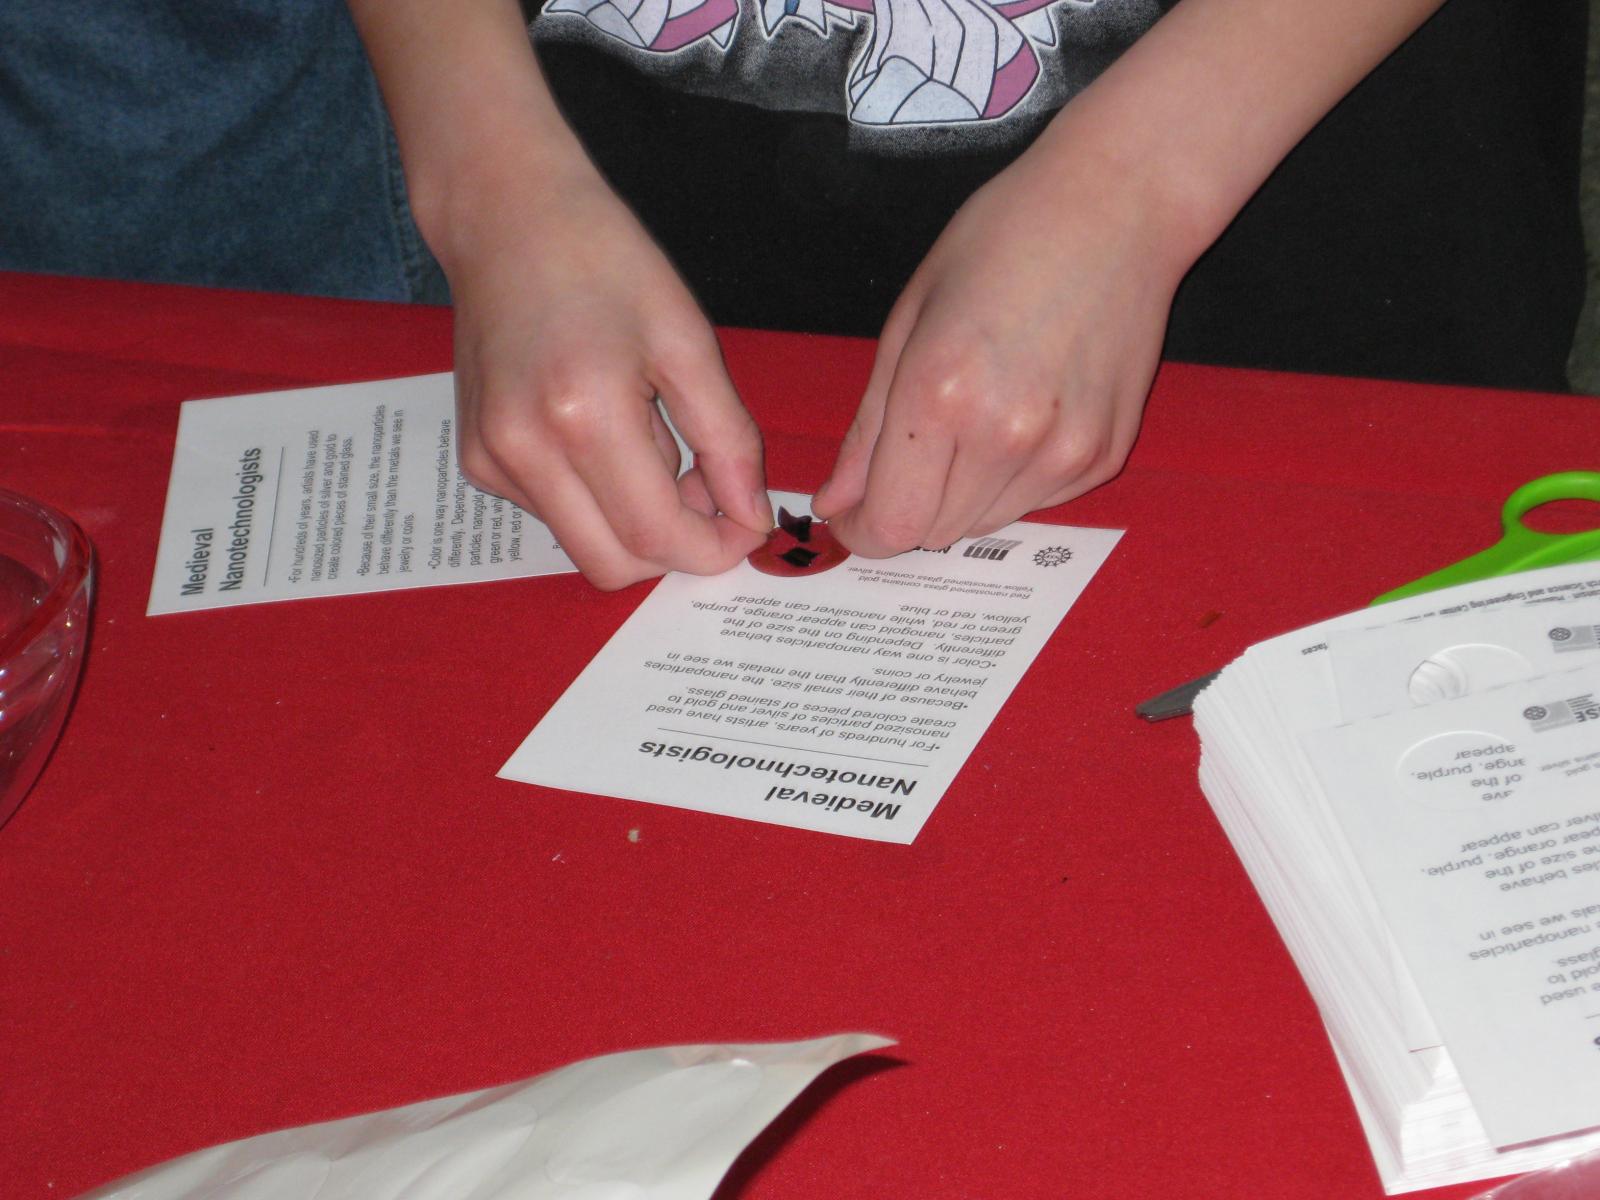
x: 69, y: 577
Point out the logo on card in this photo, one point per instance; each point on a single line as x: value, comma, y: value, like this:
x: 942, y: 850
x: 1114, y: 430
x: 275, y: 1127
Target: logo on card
x: 1564, y: 638
x: 1560, y: 713
x: 1053, y: 556
x: 995, y: 548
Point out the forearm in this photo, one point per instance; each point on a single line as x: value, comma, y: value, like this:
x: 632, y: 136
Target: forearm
x: 479, y: 132
x: 1199, y: 111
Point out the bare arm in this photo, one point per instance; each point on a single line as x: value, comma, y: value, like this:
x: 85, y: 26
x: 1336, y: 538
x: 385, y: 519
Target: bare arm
x: 569, y: 320
x: 1012, y: 374
x: 1210, y: 100
x: 476, y: 123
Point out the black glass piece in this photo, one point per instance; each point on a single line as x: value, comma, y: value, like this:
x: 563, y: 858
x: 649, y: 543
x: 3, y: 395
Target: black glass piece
x: 799, y: 528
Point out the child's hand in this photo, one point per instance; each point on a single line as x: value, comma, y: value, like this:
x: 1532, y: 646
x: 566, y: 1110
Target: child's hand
x: 569, y: 320
x: 1012, y: 373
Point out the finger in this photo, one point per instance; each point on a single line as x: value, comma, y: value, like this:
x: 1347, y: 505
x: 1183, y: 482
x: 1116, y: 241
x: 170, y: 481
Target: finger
x: 975, y: 482
x: 540, y: 460
x: 613, y: 450
x: 513, y: 450
x: 698, y: 395
x: 477, y: 463
x: 847, y: 483
x: 584, y: 533
x: 1006, y: 437
x: 693, y: 492
x: 566, y: 504
x: 1076, y: 460
x: 692, y: 489
x: 665, y: 442
x: 907, y: 475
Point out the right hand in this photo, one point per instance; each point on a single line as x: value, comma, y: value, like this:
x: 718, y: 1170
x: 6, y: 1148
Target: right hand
x: 569, y: 322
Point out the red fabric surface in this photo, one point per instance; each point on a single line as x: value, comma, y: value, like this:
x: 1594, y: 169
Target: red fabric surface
x: 269, y: 877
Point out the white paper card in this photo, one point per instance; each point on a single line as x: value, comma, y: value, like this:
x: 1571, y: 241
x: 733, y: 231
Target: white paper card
x: 1413, y: 663
x: 331, y: 491
x: 662, y: 1124
x: 844, y: 701
x: 1477, y: 824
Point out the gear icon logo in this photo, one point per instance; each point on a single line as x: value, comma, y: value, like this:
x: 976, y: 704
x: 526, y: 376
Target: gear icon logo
x: 1536, y: 712
x: 1560, y: 634
x: 1052, y: 556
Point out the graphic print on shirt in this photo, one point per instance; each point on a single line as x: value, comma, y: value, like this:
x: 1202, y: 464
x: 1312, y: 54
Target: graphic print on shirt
x: 920, y: 62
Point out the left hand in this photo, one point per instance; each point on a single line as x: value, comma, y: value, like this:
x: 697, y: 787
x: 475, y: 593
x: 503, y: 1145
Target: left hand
x: 1013, y: 370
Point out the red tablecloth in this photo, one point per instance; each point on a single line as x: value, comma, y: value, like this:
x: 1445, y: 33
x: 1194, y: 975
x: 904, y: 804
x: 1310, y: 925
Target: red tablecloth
x: 270, y: 878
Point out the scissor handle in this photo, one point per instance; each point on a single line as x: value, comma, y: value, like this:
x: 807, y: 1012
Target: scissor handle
x: 1521, y: 548
x: 1563, y: 485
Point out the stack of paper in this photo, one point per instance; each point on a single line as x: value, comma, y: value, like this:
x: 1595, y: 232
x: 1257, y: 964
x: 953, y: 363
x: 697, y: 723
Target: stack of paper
x: 1415, y: 791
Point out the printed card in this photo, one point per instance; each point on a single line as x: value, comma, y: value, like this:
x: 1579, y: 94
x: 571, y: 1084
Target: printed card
x: 1477, y: 824
x: 1412, y: 663
x: 331, y: 491
x: 810, y: 688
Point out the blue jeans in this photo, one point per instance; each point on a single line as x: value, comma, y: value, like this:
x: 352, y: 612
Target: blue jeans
x: 236, y: 143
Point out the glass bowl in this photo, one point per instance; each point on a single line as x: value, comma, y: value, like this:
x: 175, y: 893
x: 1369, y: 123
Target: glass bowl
x: 46, y: 574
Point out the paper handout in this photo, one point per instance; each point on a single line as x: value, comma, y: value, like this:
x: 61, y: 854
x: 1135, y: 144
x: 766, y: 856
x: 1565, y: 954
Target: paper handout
x: 663, y: 1124
x: 1410, y: 663
x: 331, y: 491
x: 1320, y: 856
x: 844, y: 701
x: 1477, y: 824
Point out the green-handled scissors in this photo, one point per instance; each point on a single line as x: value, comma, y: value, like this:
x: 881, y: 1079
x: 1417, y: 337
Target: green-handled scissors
x: 1519, y: 549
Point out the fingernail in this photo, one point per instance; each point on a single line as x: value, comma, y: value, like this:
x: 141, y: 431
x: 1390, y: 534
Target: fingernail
x: 763, y: 505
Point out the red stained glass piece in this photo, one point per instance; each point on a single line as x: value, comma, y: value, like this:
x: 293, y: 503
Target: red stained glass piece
x: 798, y: 546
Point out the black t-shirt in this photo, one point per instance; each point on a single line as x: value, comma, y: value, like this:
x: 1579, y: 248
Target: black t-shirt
x: 796, y: 158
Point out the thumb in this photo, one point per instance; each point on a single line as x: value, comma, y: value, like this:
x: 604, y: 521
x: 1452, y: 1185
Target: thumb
x: 707, y: 412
